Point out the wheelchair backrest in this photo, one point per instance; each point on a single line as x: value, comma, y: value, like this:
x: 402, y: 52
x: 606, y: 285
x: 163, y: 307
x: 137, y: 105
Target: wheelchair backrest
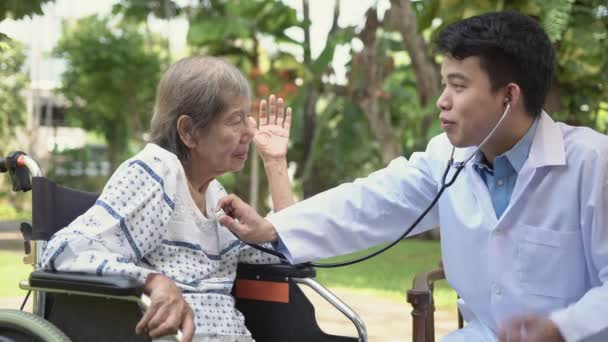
x: 54, y: 207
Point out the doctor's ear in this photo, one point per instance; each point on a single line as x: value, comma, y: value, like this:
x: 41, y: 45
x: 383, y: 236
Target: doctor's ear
x: 512, y: 94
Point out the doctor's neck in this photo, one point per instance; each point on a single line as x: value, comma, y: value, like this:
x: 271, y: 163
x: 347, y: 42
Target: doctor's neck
x: 511, y: 131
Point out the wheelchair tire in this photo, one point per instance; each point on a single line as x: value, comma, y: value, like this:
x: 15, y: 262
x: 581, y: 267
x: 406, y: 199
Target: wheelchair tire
x: 24, y: 326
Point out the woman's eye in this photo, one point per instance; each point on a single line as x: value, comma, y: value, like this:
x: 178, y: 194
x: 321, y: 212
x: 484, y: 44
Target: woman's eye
x: 235, y: 120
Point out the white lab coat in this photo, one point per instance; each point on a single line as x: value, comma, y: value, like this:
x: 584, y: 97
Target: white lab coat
x: 547, y: 254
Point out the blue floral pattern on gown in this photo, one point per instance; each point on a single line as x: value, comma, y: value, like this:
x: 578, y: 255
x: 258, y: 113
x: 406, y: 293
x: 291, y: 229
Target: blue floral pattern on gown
x: 145, y: 221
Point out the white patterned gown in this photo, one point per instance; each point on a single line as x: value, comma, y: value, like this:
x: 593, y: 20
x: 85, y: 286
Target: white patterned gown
x: 145, y: 221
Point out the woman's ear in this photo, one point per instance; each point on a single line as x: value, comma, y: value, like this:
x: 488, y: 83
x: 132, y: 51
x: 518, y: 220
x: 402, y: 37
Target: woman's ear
x: 184, y: 129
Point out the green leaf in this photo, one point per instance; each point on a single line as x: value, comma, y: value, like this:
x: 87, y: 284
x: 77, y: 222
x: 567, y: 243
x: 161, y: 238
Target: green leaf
x: 429, y: 13
x: 17, y: 9
x: 556, y: 18
x: 216, y: 29
x: 320, y: 64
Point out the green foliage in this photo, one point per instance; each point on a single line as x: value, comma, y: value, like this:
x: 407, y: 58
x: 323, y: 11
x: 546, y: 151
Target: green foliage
x: 14, y: 81
x: 113, y: 70
x: 8, y: 212
x: 342, y: 145
x: 391, y: 273
x: 407, y: 115
x: 579, y: 30
x: 4, y: 39
x: 12, y: 271
x: 582, y: 70
x: 341, y: 36
x: 17, y: 9
x: 80, y: 168
x: 556, y: 17
x: 223, y: 27
x: 141, y: 9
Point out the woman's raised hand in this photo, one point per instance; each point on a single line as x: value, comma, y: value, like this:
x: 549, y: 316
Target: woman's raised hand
x: 272, y: 135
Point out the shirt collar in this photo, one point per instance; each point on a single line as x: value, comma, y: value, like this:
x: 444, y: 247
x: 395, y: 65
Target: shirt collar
x: 517, y: 155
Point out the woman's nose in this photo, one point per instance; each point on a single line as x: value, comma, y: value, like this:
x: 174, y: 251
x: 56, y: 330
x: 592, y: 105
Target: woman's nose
x: 249, y: 129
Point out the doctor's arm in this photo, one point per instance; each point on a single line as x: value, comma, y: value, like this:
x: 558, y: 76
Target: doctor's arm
x: 350, y: 217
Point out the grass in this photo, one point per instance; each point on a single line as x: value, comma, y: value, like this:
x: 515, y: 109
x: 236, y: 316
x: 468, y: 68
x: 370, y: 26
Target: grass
x: 9, y: 213
x: 392, y: 273
x: 389, y: 275
x: 12, y: 271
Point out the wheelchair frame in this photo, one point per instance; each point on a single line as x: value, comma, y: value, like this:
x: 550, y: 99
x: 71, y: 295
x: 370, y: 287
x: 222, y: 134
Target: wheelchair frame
x: 24, y: 170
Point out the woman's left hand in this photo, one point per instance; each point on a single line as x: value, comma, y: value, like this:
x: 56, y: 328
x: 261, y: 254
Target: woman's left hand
x: 272, y: 135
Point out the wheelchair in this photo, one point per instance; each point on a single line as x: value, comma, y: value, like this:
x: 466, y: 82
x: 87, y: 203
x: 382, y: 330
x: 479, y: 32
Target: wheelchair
x: 86, y: 307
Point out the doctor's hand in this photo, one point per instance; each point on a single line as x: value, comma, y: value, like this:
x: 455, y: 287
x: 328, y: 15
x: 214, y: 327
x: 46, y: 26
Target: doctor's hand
x: 168, y: 310
x: 530, y: 328
x: 244, y: 221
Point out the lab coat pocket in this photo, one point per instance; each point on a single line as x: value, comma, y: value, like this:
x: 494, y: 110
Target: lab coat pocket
x: 549, y: 262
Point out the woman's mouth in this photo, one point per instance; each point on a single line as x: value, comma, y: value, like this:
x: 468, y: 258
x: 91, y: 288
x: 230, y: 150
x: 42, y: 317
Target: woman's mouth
x: 240, y: 155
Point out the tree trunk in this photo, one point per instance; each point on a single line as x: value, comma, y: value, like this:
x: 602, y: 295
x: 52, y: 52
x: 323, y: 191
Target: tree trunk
x: 401, y: 16
x: 254, y: 181
x: 310, y: 184
x: 369, y: 71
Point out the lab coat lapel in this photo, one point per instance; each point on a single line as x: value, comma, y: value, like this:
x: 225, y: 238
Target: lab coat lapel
x: 547, y: 150
x: 481, y: 193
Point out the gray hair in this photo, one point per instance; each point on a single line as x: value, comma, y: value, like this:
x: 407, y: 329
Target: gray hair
x: 197, y: 86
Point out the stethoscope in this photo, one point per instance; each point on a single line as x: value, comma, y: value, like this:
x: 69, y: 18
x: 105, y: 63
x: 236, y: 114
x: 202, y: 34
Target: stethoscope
x: 445, y: 183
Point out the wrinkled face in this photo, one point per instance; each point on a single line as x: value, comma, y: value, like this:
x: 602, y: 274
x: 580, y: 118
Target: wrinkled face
x: 469, y: 108
x: 223, y: 146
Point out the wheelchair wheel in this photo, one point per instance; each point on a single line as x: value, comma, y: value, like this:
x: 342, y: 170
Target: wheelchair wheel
x: 19, y: 326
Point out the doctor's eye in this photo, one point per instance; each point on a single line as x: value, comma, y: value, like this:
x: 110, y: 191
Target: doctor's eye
x: 458, y: 87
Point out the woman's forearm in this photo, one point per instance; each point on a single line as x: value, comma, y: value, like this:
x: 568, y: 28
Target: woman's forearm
x: 280, y: 186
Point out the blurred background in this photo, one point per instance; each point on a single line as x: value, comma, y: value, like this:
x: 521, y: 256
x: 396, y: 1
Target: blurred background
x: 78, y: 77
x: 77, y: 84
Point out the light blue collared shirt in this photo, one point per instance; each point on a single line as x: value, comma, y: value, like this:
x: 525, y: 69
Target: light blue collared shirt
x: 501, y: 179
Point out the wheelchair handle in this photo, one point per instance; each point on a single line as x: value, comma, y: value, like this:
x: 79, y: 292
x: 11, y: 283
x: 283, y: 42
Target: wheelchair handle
x: 19, y: 159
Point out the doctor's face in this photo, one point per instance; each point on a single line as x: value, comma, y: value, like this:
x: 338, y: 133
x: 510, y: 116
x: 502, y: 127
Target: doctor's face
x: 469, y: 108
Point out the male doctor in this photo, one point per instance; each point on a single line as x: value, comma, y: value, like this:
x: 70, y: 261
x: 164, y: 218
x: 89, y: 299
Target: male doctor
x: 524, y: 229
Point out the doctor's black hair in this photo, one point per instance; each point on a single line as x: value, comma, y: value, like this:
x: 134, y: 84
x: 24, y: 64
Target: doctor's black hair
x: 512, y: 47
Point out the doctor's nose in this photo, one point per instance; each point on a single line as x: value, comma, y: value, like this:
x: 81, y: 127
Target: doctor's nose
x: 442, y: 102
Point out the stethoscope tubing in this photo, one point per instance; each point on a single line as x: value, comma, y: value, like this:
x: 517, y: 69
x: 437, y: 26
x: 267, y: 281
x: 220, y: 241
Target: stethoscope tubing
x: 445, y: 183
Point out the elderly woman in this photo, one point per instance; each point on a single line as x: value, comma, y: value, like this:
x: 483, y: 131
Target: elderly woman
x: 155, y: 217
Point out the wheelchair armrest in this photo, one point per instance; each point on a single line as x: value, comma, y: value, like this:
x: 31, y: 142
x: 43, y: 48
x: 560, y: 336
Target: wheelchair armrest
x: 422, y: 291
x: 274, y: 271
x: 106, y: 285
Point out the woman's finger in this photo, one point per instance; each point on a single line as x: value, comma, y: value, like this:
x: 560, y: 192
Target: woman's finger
x: 272, y: 110
x: 263, y: 117
x: 143, y: 322
x: 280, y: 119
x: 168, y: 326
x: 188, y: 327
